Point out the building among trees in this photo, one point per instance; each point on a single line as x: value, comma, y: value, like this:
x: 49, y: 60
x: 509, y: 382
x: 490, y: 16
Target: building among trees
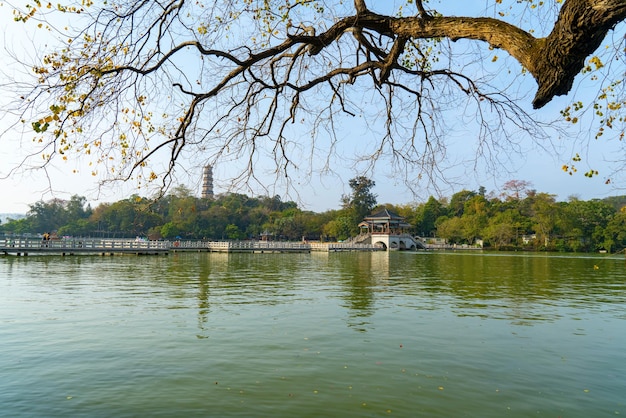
x: 388, y: 230
x: 207, y: 182
x: 384, y: 222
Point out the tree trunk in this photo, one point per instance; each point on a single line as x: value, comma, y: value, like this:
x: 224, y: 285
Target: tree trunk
x: 578, y: 32
x: 553, y: 61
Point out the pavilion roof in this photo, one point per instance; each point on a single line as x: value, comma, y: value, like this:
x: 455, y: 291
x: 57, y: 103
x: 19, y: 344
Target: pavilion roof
x: 384, y: 214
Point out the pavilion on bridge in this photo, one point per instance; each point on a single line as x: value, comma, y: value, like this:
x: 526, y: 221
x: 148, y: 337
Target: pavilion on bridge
x: 388, y: 230
x: 384, y: 222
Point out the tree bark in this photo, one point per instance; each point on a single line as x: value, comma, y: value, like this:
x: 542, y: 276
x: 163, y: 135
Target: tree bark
x: 578, y: 32
x: 554, y: 61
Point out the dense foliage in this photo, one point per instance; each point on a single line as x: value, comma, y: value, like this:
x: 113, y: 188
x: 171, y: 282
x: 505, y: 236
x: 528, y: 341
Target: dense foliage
x: 520, y: 218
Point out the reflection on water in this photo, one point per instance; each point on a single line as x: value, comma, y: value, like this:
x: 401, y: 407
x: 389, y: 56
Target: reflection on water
x: 344, y: 334
x: 528, y: 287
x: 507, y: 286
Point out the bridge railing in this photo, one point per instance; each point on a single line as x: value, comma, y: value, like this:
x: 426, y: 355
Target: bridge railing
x: 186, y: 245
x: 81, y: 244
x: 119, y: 245
x: 256, y: 246
x: 343, y: 246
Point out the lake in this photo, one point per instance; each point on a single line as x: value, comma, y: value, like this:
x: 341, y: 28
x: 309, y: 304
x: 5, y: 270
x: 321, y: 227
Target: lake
x: 308, y: 335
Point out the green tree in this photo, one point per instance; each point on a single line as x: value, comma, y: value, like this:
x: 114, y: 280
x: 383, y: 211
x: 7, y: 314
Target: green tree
x: 451, y: 229
x: 426, y: 216
x: 472, y: 226
x: 47, y: 216
x: 586, y: 222
x: 615, y: 233
x: 54, y: 214
x: 233, y: 232
x: 456, y: 207
x: 77, y: 208
x: 18, y: 226
x: 339, y: 228
x: 362, y: 200
x: 183, y: 213
x: 126, y: 68
x: 76, y: 228
x: 216, y: 218
x: 170, y: 231
x: 313, y: 223
x: 258, y: 217
x: 500, y: 231
x: 125, y: 218
x: 545, y: 217
x: 475, y: 217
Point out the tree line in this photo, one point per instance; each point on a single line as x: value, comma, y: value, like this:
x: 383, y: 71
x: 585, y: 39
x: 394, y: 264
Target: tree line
x: 517, y: 218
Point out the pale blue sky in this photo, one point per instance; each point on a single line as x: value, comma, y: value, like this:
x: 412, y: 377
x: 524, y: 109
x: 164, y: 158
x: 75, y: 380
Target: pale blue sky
x: 533, y: 164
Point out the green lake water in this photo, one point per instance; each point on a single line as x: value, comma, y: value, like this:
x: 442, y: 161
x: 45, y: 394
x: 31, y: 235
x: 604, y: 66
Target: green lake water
x: 310, y: 335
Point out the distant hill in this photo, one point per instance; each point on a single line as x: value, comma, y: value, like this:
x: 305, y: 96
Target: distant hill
x: 617, y: 202
x: 6, y: 216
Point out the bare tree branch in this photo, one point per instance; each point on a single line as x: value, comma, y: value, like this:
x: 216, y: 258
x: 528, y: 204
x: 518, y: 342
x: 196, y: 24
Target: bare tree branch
x: 239, y: 80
